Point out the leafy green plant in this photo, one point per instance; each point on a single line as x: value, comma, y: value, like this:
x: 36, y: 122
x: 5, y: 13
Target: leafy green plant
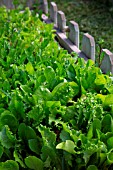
x: 54, y: 114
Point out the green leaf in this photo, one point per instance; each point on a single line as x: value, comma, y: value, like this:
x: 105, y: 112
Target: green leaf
x: 6, y: 85
x: 75, y: 87
x: 89, y: 63
x: 90, y: 132
x: 100, y: 80
x: 36, y: 114
x: 26, y: 132
x: 101, y: 97
x: 108, y: 100
x: 71, y: 72
x: 96, y: 125
x: 107, y: 123
x: 1, y: 151
x: 65, y: 91
x: 6, y: 138
x: 33, y: 162
x: 47, y: 135
x: 50, y: 76
x: 8, y: 119
x: 16, y: 107
x: 68, y: 146
x: 110, y: 143
x: 29, y: 68
x: 102, y: 158
x: 110, y: 157
x: 18, y: 158
x: 92, y: 167
x: 64, y: 136
x: 9, y: 165
x: 47, y: 150
x: 34, y: 145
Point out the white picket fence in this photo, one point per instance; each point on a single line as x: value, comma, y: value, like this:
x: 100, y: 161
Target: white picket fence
x: 69, y: 41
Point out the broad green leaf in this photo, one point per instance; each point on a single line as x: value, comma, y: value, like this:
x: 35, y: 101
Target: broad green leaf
x: 50, y: 76
x: 50, y: 151
x: 36, y: 114
x: 65, y: 91
x: 53, y: 104
x: 92, y: 167
x: 34, y: 145
x: 7, y: 139
x: 9, y: 165
x: 47, y: 135
x: 100, y: 80
x: 64, y: 136
x: 71, y: 72
x: 110, y: 143
x: 29, y: 68
x: 47, y: 150
x: 8, y: 119
x: 17, y: 107
x: 33, y: 162
x: 108, y: 100
x: 107, y: 123
x: 68, y: 146
x: 26, y: 132
x: 96, y: 125
x: 75, y: 87
x: 42, y: 93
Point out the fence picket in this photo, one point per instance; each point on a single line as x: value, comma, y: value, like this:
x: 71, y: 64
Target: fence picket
x: 107, y: 62
x: 61, y: 21
x: 53, y: 12
x: 74, y: 33
x: 88, y: 46
x: 45, y: 6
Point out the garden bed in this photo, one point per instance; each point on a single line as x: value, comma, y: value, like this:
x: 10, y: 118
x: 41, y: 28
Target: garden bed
x: 55, y: 109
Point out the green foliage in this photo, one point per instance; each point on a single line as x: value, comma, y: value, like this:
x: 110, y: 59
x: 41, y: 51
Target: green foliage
x: 54, y: 114
x: 33, y: 162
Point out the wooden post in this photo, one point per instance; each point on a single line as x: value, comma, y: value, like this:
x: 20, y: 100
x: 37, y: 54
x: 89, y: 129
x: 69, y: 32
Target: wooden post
x: 44, y: 6
x: 107, y: 62
x: 53, y: 12
x: 74, y: 33
x: 61, y: 21
x: 88, y: 46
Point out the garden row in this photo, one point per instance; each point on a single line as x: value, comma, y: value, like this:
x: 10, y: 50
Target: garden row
x: 56, y: 111
x: 68, y: 36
